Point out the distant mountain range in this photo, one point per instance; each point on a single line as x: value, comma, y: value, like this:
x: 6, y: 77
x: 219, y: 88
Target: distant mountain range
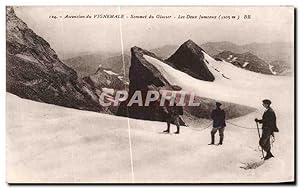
x: 246, y: 61
x: 266, y: 51
x: 278, y: 55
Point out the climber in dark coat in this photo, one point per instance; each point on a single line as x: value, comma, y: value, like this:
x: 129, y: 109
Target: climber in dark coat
x: 269, y: 126
x: 218, y: 117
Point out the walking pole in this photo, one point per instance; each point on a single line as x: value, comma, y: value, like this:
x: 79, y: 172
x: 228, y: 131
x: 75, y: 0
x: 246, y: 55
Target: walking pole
x: 262, y: 151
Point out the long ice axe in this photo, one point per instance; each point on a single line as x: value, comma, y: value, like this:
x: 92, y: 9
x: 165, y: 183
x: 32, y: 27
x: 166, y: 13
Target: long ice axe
x: 262, y: 151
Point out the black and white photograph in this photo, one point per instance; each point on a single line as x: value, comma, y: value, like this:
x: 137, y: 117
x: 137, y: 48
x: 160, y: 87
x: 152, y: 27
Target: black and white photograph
x: 150, y: 94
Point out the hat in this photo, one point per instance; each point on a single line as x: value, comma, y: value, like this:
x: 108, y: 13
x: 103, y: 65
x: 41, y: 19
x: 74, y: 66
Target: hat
x: 267, y: 101
x: 218, y: 104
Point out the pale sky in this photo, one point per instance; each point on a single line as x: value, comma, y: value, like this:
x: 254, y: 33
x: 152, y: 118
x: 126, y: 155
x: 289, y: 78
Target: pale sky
x: 267, y: 24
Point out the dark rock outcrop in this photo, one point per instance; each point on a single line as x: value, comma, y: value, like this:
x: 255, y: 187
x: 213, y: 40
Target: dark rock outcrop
x: 143, y: 77
x: 190, y: 59
x: 246, y: 61
x: 35, y: 72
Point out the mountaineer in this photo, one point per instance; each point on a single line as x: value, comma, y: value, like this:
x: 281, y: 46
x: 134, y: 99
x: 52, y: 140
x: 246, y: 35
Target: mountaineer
x: 172, y: 114
x: 171, y: 107
x: 268, y: 122
x: 218, y: 117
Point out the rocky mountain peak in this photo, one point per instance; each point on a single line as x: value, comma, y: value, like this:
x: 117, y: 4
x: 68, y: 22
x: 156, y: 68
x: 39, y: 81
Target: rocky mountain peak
x: 141, y: 72
x: 10, y: 12
x: 192, y: 45
x: 34, y: 71
x: 189, y: 58
x: 13, y: 26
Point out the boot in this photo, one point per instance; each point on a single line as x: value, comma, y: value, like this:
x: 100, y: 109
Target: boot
x: 166, y: 131
x: 269, y: 155
x: 221, y: 141
x: 212, y: 140
x: 177, y: 132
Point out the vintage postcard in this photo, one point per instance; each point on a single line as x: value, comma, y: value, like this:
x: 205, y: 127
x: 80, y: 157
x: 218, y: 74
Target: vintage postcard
x: 150, y: 94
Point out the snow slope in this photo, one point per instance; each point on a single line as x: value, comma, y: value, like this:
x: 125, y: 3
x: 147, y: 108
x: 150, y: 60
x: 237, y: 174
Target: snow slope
x: 48, y: 143
x: 232, y: 84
